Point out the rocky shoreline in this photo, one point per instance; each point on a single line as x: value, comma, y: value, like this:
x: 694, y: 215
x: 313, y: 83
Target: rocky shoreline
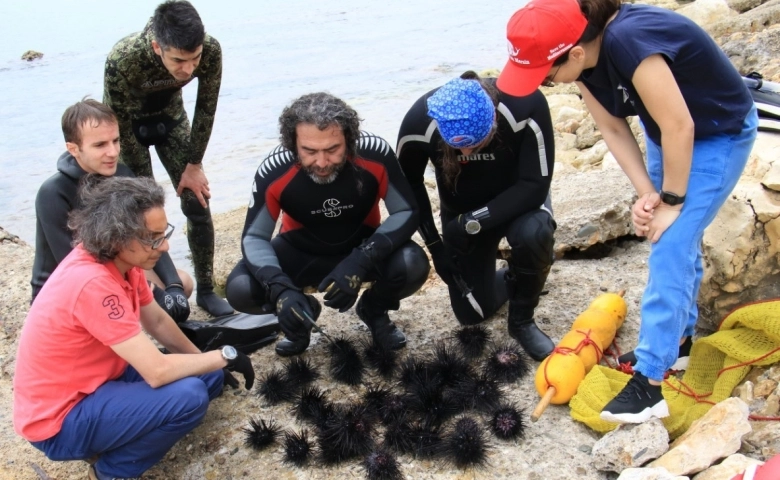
x: 596, y: 253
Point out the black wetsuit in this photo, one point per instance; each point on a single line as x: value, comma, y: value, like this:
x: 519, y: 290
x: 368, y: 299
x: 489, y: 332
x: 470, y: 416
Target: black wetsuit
x: 323, y: 223
x: 56, y: 198
x: 510, y: 176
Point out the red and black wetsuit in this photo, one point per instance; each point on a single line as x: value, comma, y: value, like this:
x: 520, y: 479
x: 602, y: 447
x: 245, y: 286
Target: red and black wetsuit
x: 511, y: 177
x: 323, y: 223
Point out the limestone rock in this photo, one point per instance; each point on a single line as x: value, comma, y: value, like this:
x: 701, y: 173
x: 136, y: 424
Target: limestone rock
x: 592, y: 156
x: 754, y: 20
x: 729, y: 467
x: 630, y: 446
x: 705, y: 12
x: 591, y: 207
x: 587, y: 134
x: 764, y: 439
x: 716, y: 435
x: 772, y: 178
x: 648, y: 474
x: 31, y: 55
x: 742, y: 6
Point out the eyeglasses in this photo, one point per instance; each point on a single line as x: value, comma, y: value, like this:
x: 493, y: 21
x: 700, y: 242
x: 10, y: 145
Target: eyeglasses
x: 549, y: 81
x: 155, y: 244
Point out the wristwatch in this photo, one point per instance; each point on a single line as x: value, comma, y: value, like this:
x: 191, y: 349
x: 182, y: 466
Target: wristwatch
x: 472, y: 225
x: 671, y: 199
x: 229, y: 353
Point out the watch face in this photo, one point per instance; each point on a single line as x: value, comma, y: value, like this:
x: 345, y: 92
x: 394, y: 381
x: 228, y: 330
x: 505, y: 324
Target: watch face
x: 229, y: 352
x: 473, y: 227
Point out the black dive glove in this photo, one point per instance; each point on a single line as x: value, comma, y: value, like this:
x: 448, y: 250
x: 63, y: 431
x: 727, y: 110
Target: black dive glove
x: 342, y: 285
x: 455, y: 236
x: 444, y: 262
x: 291, y: 305
x: 243, y: 365
x: 173, y: 301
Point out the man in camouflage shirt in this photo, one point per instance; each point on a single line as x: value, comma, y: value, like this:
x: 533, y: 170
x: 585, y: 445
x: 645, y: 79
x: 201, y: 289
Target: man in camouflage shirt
x: 144, y: 75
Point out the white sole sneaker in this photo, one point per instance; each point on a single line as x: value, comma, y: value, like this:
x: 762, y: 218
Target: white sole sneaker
x: 659, y: 410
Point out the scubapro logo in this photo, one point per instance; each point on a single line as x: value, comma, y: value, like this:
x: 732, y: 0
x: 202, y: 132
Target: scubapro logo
x: 332, y: 208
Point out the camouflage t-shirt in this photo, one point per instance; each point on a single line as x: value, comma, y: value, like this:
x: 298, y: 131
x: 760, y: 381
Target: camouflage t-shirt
x: 137, y: 85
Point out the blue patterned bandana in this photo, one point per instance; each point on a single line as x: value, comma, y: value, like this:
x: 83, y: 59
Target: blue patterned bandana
x: 464, y: 112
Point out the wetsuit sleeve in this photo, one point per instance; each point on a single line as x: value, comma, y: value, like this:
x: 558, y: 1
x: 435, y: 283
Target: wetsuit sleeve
x: 535, y: 150
x: 209, y: 83
x: 52, y: 208
x: 117, y: 95
x: 413, y: 156
x: 262, y: 215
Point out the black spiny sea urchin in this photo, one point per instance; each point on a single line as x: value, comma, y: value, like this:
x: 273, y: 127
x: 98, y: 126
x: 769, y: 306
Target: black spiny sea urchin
x: 300, y: 372
x: 297, y: 448
x: 506, y: 363
x: 380, y: 358
x: 275, y: 388
x: 347, y: 433
x: 507, y: 422
x: 260, y: 434
x: 473, y: 339
x: 448, y: 365
x: 313, y: 406
x: 465, y: 445
x: 482, y: 394
x: 382, y: 465
x: 346, y: 366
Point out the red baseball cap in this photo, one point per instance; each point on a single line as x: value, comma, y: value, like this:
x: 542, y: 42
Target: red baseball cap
x: 539, y: 33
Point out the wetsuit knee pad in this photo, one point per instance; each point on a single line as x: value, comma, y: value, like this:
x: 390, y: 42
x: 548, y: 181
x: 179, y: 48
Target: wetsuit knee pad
x: 192, y: 209
x: 243, y: 292
x: 416, y: 266
x: 531, y: 238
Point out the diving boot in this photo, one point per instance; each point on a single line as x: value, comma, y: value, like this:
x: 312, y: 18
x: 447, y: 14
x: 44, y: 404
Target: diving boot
x: 383, y: 330
x: 535, y: 342
x: 296, y: 339
x: 212, y: 303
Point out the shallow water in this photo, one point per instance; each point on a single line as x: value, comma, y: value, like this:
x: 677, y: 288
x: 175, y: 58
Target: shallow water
x: 379, y: 58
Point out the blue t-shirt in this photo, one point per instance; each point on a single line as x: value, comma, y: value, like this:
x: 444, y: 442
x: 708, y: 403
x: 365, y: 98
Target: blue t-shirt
x: 717, y: 98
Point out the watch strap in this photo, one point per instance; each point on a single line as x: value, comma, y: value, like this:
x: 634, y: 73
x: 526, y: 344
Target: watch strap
x: 671, y: 199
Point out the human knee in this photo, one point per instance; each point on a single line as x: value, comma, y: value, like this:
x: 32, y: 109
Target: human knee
x: 410, y: 265
x: 243, y: 292
x: 192, y: 209
x: 191, y: 396
x: 531, y: 239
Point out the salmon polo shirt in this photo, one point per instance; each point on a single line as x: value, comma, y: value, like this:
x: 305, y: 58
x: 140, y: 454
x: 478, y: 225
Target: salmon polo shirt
x: 64, y: 349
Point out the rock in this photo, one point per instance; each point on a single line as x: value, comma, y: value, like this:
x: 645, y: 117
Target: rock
x: 745, y: 392
x: 742, y: 6
x: 705, y: 12
x: 764, y: 388
x: 587, y: 134
x: 765, y: 438
x: 592, y: 156
x: 587, y: 213
x: 729, y: 467
x: 609, y: 162
x: 566, y: 113
x: 31, y: 55
x: 630, y: 446
x: 716, y: 435
x: 754, y: 20
x: 648, y: 474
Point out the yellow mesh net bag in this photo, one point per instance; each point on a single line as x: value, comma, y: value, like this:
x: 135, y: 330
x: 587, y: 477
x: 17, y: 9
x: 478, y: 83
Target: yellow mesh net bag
x: 749, y: 335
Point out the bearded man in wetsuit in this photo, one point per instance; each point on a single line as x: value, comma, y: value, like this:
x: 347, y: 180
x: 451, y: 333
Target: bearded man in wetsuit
x: 493, y: 155
x: 144, y: 76
x: 92, y: 141
x: 325, y: 181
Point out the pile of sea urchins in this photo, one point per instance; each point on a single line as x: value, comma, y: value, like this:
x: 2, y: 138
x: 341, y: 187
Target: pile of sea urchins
x: 435, y: 406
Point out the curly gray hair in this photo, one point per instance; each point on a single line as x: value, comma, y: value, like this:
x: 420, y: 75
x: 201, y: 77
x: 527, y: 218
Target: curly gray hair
x: 323, y: 110
x: 112, y: 213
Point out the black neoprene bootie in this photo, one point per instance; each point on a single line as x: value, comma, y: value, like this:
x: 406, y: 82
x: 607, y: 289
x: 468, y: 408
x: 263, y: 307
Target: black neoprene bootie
x: 535, y: 342
x: 383, y: 330
x: 296, y: 341
x: 524, y: 288
x: 212, y: 303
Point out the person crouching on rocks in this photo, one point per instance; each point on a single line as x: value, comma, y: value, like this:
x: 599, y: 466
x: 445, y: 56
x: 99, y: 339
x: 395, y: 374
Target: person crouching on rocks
x: 325, y: 181
x: 493, y: 155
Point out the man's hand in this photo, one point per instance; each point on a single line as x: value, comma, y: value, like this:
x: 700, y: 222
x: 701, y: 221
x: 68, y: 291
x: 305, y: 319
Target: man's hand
x: 444, y: 263
x: 194, y: 179
x: 243, y: 365
x: 642, y: 212
x: 455, y: 236
x: 342, y: 285
x: 664, y: 217
x: 290, y: 306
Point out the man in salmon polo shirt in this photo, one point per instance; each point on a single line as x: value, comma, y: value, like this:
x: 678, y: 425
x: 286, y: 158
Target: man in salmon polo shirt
x: 90, y: 384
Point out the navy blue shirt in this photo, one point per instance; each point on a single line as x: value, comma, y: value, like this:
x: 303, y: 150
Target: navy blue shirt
x: 717, y: 98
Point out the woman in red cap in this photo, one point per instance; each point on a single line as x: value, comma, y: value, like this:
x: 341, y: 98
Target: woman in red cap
x: 699, y: 122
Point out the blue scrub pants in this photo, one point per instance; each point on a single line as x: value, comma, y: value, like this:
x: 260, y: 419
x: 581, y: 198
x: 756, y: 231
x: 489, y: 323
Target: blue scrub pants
x: 669, y: 311
x: 131, y: 425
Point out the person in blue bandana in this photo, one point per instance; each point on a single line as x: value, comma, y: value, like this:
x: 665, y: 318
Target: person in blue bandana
x: 493, y: 155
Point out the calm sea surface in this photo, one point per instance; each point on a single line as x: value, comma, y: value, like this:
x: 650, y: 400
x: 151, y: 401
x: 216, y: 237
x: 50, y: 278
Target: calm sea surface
x: 379, y: 57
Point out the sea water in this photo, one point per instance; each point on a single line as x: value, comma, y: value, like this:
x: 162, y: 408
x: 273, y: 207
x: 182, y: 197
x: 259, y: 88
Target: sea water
x: 378, y: 56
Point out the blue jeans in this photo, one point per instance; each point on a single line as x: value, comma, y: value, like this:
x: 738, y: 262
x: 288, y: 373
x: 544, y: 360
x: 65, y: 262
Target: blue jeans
x: 131, y: 425
x: 669, y: 311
